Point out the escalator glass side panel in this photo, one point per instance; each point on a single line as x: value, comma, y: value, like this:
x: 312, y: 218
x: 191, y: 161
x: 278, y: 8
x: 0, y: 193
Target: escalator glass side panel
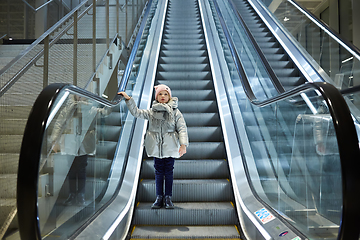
x: 291, y: 153
x: 294, y: 163
x: 336, y: 59
x: 77, y: 155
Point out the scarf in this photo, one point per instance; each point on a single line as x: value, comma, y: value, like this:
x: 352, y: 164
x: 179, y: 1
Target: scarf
x: 164, y: 111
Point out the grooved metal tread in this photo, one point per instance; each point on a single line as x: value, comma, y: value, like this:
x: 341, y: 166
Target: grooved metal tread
x: 185, y: 232
x: 202, y: 193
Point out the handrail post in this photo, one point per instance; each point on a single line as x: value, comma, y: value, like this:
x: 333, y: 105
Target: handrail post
x: 107, y: 24
x: 117, y: 17
x: 126, y: 23
x: 46, y: 62
x: 132, y: 14
x: 94, y: 36
x: 75, y: 48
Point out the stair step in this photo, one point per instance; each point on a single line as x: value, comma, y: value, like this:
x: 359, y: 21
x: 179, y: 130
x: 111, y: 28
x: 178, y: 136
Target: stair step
x: 205, y: 134
x: 189, y: 213
x: 192, y: 190
x: 187, y: 85
x: 8, y: 186
x: 186, y: 95
x: 201, y: 119
x: 185, y: 232
x: 195, y: 169
x: 10, y: 143
x: 12, y: 126
x: 9, y: 163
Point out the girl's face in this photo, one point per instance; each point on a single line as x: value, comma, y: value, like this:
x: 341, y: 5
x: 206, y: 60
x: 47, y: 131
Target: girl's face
x: 163, y: 97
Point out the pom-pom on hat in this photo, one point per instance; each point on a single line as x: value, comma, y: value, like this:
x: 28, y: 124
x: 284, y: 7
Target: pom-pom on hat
x: 160, y: 88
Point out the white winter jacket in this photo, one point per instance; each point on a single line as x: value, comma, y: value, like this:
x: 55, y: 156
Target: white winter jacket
x: 167, y: 128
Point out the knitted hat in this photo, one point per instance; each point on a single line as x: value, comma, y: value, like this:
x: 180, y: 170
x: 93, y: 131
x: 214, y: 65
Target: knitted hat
x: 160, y: 88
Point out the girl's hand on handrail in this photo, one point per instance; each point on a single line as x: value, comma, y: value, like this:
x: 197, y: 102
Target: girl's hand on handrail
x: 124, y: 94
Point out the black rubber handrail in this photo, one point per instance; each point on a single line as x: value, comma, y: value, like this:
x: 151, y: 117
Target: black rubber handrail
x: 30, y: 153
x: 345, y: 133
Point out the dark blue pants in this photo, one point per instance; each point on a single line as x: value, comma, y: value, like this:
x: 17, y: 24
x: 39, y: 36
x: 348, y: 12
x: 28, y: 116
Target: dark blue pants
x: 164, y: 169
x: 77, y: 174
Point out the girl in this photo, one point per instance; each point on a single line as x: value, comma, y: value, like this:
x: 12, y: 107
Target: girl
x: 165, y: 140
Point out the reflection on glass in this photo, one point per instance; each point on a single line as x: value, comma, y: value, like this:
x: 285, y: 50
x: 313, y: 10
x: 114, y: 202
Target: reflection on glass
x: 74, y: 165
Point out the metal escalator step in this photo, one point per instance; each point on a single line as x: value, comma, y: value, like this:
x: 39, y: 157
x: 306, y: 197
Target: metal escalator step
x: 182, y: 47
x: 197, y: 106
x: 183, y: 41
x: 205, y: 134
x: 181, y: 24
x: 264, y: 45
x: 182, y: 36
x: 205, y: 150
x: 106, y: 149
x: 183, y: 60
x: 184, y: 75
x: 171, y: 30
x: 277, y: 57
x: 186, y: 95
x: 253, y: 133
x: 189, y: 190
x: 94, y: 166
x: 185, y: 232
x: 195, y: 169
x: 201, y: 119
x: 291, y: 81
x: 108, y: 132
x: 188, y: 85
x: 190, y: 213
x: 197, y: 53
x: 184, y: 67
x: 113, y: 119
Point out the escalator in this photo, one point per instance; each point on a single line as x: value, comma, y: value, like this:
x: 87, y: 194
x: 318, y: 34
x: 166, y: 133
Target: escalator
x: 245, y: 170
x: 202, y: 192
x: 282, y: 65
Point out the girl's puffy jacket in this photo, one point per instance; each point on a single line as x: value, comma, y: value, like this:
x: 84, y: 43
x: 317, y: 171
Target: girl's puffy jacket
x: 167, y: 128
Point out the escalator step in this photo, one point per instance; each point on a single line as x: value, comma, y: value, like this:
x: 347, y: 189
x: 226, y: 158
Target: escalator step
x: 188, y: 84
x: 197, y: 106
x: 189, y: 213
x: 201, y: 119
x: 190, y: 190
x: 186, y: 95
x: 186, y: 169
x: 205, y: 134
x: 185, y: 232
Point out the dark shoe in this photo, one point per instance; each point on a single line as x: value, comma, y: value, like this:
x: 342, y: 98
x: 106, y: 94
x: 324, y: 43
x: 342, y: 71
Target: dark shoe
x: 71, y: 200
x: 81, y: 199
x: 158, y: 202
x: 168, y: 202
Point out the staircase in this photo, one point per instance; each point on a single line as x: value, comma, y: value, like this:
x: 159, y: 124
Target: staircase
x: 202, y: 192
